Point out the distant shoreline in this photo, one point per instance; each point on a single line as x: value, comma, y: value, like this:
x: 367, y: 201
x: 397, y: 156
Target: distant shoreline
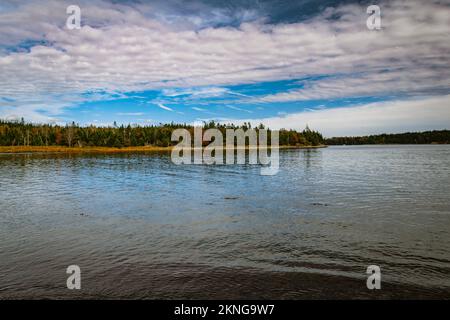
x: 424, y: 137
x: 63, y: 149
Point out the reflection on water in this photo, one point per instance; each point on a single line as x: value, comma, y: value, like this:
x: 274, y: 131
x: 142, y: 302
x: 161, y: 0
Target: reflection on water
x: 142, y: 227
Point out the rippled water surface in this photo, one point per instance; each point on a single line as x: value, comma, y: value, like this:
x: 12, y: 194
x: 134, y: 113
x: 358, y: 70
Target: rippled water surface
x: 141, y: 227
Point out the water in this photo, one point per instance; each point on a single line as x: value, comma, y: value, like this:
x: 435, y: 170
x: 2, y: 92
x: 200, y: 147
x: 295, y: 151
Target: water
x: 141, y: 227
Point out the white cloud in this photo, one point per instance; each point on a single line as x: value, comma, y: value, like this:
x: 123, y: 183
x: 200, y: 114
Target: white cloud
x: 164, y: 107
x: 238, y: 109
x: 375, y: 84
x: 207, y: 92
x: 123, y: 48
x: 198, y: 109
x: 382, y: 117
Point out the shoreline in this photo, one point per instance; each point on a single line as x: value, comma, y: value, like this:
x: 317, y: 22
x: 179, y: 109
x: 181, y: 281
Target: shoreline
x: 64, y: 149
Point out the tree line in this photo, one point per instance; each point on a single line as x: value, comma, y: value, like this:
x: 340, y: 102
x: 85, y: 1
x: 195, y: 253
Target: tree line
x: 21, y: 133
x: 426, y: 137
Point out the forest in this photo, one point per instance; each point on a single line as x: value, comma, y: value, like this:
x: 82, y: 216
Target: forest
x: 21, y: 133
x: 426, y: 137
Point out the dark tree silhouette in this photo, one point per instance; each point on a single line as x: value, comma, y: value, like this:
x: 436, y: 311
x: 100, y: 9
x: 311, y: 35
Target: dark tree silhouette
x: 427, y: 137
x: 20, y: 133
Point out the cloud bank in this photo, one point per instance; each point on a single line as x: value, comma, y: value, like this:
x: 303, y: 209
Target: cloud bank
x: 375, y: 118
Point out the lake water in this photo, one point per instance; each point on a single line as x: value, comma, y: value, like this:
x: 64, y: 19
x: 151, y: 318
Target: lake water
x: 141, y: 227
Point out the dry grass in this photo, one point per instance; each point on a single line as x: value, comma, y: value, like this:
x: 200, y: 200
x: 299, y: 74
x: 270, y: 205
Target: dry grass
x: 62, y: 149
x: 19, y: 149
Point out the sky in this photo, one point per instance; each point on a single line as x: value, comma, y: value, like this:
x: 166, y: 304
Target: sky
x: 286, y: 64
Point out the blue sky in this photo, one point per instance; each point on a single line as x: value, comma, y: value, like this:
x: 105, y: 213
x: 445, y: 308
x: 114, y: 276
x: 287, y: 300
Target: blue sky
x: 202, y: 104
x: 283, y: 63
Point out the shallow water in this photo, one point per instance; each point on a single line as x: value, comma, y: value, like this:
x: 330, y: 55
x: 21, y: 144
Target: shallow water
x: 141, y: 227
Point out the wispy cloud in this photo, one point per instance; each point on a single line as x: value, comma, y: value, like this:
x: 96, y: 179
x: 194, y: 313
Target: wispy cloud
x: 198, y: 109
x: 206, y: 92
x: 386, y: 83
x: 238, y: 109
x: 164, y: 107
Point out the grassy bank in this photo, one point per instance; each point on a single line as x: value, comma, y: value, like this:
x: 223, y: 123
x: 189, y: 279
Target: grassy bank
x: 62, y: 149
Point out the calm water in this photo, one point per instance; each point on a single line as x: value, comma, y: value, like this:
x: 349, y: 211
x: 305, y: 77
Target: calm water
x: 140, y: 227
